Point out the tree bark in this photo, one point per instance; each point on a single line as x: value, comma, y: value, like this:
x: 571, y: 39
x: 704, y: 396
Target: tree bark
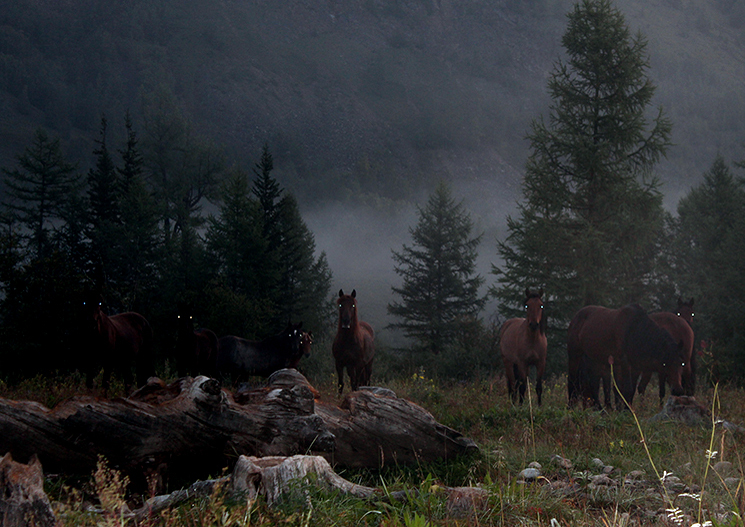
x: 192, y: 427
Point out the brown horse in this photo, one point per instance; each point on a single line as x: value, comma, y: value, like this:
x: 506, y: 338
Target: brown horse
x: 523, y: 344
x: 682, y: 333
x: 625, y: 338
x: 117, y: 342
x: 196, y: 349
x: 353, y: 346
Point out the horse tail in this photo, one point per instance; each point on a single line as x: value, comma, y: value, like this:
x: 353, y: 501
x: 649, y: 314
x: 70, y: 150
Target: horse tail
x: 146, y: 359
x: 576, y: 361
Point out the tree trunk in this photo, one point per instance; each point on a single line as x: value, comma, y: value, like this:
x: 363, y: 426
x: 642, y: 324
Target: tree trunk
x: 192, y: 428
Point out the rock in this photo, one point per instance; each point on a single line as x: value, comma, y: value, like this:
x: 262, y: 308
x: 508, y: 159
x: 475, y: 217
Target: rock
x: 732, y: 483
x: 562, y: 462
x: 635, y: 478
x: 535, y: 464
x: 608, y: 469
x: 598, y: 463
x: 674, y: 484
x: 601, y: 480
x: 684, y: 409
x: 528, y: 475
x: 723, y: 468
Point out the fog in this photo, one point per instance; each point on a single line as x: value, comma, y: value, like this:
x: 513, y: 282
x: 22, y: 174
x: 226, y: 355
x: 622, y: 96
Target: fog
x: 358, y: 238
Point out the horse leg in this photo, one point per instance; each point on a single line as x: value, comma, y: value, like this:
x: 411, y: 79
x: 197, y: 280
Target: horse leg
x: 662, y: 387
x: 509, y: 370
x: 539, y: 381
x: 340, y: 375
x: 521, y: 375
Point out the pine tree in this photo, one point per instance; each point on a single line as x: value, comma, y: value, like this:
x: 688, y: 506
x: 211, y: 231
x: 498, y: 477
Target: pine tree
x: 38, y: 189
x: 588, y: 225
x: 439, y: 293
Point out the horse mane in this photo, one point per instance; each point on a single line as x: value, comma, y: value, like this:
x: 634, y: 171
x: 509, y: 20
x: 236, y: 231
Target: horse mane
x: 645, y: 336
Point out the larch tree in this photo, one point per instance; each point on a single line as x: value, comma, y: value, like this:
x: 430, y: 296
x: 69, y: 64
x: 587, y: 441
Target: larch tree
x: 440, y: 289
x: 589, y: 222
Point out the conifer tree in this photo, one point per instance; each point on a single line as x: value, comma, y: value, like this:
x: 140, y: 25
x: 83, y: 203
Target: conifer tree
x: 104, y: 193
x: 38, y: 189
x: 440, y: 292
x: 588, y: 225
x: 709, y: 250
x: 137, y: 250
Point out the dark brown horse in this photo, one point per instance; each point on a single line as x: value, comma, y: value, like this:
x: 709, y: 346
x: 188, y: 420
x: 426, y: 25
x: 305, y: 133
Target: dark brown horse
x: 523, y: 344
x: 117, y: 342
x: 353, y: 346
x: 625, y: 338
x: 682, y: 333
x: 239, y: 358
x: 196, y: 349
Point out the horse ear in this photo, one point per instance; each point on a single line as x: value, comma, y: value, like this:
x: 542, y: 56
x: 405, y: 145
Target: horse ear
x: 540, y: 292
x: 354, y: 293
x: 691, y: 301
x: 341, y: 293
x: 527, y: 292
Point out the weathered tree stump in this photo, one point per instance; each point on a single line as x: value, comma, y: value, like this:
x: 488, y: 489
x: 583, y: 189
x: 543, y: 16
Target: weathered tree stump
x: 22, y: 498
x: 193, y: 427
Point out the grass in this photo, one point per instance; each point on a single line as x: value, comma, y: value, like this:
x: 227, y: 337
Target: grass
x: 510, y: 437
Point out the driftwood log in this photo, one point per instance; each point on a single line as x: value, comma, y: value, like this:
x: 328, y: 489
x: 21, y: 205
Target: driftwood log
x: 192, y: 428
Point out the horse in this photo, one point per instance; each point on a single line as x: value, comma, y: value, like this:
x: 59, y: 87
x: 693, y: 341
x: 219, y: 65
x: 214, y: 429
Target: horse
x: 685, y: 311
x: 626, y: 339
x: 523, y: 344
x: 682, y: 333
x: 353, y: 346
x: 239, y: 358
x: 306, y: 341
x: 196, y: 349
x: 116, y: 342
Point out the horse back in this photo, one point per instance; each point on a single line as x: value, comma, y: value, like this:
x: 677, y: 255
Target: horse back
x: 132, y: 329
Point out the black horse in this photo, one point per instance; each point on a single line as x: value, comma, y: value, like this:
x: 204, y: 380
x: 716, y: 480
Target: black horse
x: 239, y: 358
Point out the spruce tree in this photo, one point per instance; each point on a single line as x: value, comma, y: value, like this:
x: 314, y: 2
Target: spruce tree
x: 440, y: 292
x: 39, y: 188
x: 588, y: 225
x: 137, y: 250
x: 104, y: 193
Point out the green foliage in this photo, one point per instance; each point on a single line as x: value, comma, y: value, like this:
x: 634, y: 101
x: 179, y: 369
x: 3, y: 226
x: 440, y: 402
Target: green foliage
x: 439, y: 294
x: 588, y: 226
x: 38, y: 189
x: 708, y: 254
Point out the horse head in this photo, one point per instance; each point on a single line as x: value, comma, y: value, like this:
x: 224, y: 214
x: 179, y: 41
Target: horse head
x: 185, y: 319
x: 294, y: 336
x: 347, y: 310
x: 306, y: 341
x: 93, y: 310
x: 685, y: 310
x: 534, y: 310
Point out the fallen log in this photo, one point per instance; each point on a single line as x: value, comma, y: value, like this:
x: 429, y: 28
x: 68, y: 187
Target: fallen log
x: 192, y: 428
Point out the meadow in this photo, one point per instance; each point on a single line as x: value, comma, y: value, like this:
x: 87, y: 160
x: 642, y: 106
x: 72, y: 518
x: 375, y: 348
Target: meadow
x: 596, y: 468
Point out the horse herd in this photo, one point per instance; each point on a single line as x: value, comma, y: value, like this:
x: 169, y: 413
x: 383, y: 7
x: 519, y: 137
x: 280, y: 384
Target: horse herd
x: 622, y: 347
x: 117, y: 342
x: 606, y: 347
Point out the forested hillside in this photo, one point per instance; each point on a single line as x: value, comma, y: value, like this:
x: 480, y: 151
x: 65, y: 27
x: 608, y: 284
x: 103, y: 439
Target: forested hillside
x: 353, y: 96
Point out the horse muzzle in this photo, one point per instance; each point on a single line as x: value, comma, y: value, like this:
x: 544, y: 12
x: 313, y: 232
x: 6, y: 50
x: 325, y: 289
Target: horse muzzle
x: 533, y: 325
